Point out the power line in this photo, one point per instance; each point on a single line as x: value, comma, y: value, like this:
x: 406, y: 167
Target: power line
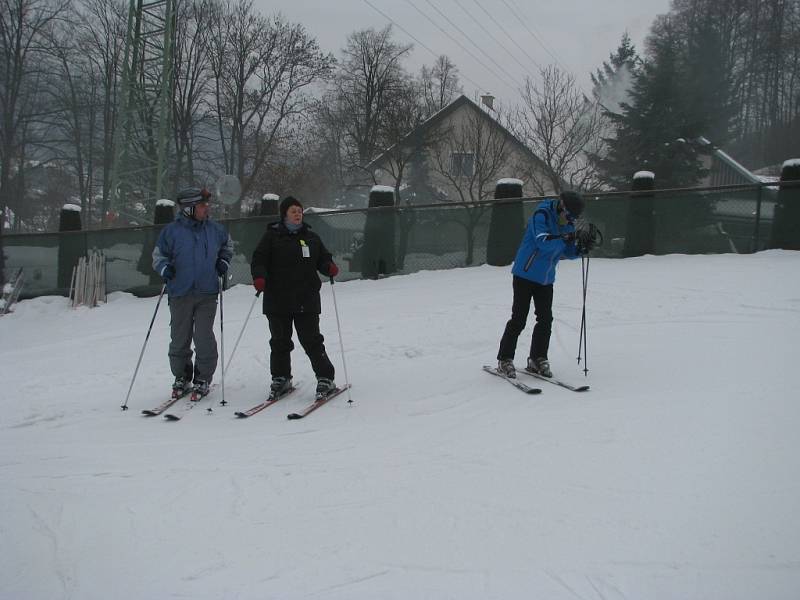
x: 459, y: 44
x: 471, y: 41
x: 497, y: 41
x: 540, y: 42
x: 409, y: 34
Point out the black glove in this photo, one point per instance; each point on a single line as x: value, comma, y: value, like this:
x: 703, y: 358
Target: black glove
x: 587, y: 238
x: 168, y: 273
x: 568, y: 237
x: 222, y: 266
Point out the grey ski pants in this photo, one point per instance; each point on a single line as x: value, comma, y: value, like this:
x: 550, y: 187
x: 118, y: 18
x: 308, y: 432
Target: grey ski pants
x: 192, y: 319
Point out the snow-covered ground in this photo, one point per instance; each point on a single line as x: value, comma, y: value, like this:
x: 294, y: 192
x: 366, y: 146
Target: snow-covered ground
x: 676, y: 476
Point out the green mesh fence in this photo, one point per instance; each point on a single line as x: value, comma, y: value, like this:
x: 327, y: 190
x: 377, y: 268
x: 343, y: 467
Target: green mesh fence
x: 709, y: 220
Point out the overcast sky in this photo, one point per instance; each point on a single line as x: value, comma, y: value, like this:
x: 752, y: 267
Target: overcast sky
x: 494, y: 43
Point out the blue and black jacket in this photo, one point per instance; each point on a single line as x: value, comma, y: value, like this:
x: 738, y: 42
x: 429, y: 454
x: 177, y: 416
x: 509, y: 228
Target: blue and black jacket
x: 192, y: 248
x: 542, y: 245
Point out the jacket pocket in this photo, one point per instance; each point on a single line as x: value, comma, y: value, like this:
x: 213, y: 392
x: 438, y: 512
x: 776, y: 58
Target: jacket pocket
x: 530, y: 260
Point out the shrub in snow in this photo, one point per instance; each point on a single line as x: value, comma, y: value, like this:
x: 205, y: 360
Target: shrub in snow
x: 506, y: 224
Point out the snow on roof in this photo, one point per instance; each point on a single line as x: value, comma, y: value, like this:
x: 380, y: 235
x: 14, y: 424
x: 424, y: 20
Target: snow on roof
x: 315, y: 209
x: 381, y: 188
x: 792, y: 162
x: 644, y: 175
x: 509, y: 181
x: 72, y: 207
x: 165, y: 202
x: 270, y: 197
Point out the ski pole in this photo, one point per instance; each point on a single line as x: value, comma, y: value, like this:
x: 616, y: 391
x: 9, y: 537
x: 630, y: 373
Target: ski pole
x: 241, y: 333
x: 341, y: 343
x: 221, y: 343
x: 141, y: 354
x: 582, y: 340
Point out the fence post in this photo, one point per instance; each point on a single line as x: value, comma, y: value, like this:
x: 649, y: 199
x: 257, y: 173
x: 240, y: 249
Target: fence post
x: 70, y: 247
x: 640, y: 226
x: 506, y: 224
x: 786, y: 219
x: 378, y: 252
x: 757, y: 232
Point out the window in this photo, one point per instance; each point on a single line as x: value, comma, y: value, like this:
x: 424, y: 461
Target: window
x: 462, y: 164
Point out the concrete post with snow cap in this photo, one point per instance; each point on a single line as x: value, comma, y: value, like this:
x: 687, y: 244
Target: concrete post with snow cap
x: 378, y: 252
x: 786, y: 221
x: 71, y: 246
x: 640, y: 223
x: 269, y: 205
x: 506, y: 224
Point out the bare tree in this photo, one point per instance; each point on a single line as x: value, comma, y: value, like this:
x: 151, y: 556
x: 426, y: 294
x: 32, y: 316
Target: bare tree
x: 23, y: 27
x: 439, y: 84
x: 368, y: 82
x: 560, y: 126
x: 261, y: 67
x: 103, y: 41
x: 192, y: 83
x: 474, y: 155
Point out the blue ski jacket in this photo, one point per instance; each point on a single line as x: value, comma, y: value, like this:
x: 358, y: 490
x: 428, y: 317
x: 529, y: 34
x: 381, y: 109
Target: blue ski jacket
x: 542, y: 245
x: 192, y: 248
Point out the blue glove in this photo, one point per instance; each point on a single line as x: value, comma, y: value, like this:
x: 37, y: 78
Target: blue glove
x: 168, y: 273
x: 222, y: 266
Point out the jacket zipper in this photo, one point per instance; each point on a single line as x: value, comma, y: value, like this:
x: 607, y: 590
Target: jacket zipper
x: 530, y: 260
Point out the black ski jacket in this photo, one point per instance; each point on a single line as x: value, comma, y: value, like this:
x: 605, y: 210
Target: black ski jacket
x: 289, y: 262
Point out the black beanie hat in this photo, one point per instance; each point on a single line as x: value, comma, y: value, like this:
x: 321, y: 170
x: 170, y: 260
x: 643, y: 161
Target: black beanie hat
x: 573, y: 202
x: 286, y: 203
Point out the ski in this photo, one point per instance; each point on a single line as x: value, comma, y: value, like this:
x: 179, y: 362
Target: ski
x: 517, y: 384
x: 189, y: 404
x: 573, y: 388
x: 317, y: 403
x: 243, y: 414
x: 153, y: 412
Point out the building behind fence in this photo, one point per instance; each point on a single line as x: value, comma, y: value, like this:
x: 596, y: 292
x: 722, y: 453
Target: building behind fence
x: 738, y: 218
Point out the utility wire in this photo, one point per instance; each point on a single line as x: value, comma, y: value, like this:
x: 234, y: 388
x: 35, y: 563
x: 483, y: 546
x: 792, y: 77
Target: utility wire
x: 497, y: 41
x: 539, y: 41
x: 409, y: 34
x: 460, y: 45
x: 471, y: 41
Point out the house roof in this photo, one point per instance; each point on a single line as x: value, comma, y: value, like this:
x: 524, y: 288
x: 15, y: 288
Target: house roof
x: 437, y: 118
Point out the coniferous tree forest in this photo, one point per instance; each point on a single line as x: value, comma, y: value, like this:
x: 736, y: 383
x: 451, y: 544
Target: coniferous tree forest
x: 726, y: 71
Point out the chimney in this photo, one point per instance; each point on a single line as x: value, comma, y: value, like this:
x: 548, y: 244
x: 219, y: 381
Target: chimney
x: 488, y: 100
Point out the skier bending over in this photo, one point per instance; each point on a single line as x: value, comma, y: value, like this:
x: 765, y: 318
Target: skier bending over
x: 549, y: 236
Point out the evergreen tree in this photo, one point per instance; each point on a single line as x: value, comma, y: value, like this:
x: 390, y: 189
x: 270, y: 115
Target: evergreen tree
x: 654, y: 129
x: 612, y: 80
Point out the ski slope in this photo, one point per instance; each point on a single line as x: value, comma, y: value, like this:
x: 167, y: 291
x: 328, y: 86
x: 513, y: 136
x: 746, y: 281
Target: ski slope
x: 676, y: 476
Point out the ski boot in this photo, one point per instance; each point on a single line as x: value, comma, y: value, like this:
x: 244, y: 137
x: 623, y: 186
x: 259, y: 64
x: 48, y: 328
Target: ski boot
x: 506, y: 368
x: 200, y: 388
x: 324, y: 387
x: 180, y: 387
x: 540, y: 366
x: 279, y: 386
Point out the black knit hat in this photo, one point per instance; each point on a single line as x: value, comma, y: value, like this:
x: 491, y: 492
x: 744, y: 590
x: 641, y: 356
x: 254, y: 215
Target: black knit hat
x: 573, y: 202
x: 286, y: 203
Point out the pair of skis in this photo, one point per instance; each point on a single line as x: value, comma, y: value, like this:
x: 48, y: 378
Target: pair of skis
x: 532, y: 390
x: 320, y: 401
x: 191, y: 403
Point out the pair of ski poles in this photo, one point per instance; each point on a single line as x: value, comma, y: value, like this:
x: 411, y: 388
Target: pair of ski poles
x: 236, y: 345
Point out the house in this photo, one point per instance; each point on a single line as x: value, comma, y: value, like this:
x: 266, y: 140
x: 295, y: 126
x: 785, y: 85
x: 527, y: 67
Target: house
x: 457, y: 155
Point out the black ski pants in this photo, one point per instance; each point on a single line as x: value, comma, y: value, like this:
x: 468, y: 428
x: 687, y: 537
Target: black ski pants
x: 542, y: 296
x: 281, y: 345
x: 192, y: 320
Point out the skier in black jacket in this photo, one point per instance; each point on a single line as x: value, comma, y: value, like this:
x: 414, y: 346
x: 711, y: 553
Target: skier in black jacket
x: 284, y: 267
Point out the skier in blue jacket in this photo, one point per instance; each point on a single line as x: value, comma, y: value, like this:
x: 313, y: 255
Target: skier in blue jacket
x: 191, y: 255
x: 549, y: 237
